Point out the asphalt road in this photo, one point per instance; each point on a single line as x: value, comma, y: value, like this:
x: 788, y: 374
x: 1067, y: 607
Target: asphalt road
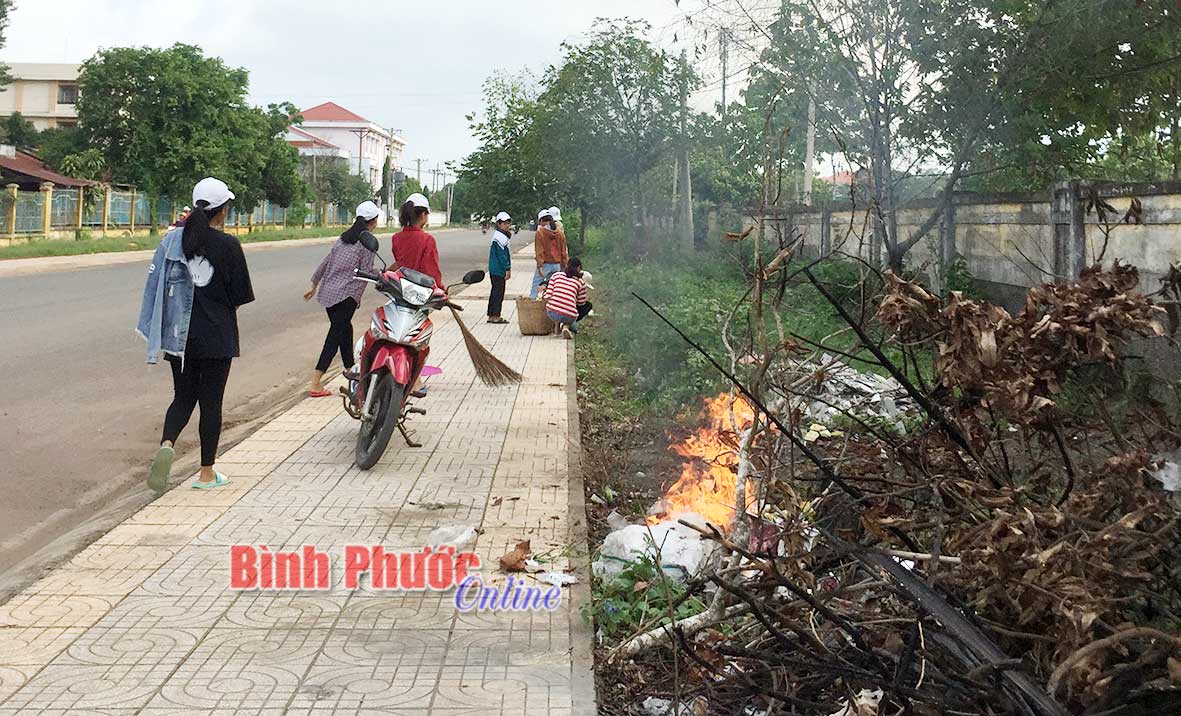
x: 80, y: 411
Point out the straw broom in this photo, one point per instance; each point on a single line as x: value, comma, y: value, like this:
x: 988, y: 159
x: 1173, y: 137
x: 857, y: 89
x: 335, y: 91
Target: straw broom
x: 490, y: 369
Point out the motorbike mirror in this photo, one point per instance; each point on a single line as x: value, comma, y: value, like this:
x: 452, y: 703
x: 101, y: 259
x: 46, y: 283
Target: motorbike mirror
x: 473, y: 277
x: 369, y: 241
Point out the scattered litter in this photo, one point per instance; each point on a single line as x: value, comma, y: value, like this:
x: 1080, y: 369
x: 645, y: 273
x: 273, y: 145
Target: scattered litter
x: 597, y: 500
x: 654, y: 706
x: 844, y: 389
x: 864, y: 704
x: 439, y: 505
x: 680, y: 550
x: 497, y: 501
x: 641, y: 475
x: 558, y: 579
x: 515, y: 561
x: 616, y: 521
x: 1169, y: 472
x: 453, y: 535
x: 532, y: 566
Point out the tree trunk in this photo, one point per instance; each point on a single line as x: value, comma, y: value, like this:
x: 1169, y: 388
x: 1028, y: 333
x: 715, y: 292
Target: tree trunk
x: 582, y: 228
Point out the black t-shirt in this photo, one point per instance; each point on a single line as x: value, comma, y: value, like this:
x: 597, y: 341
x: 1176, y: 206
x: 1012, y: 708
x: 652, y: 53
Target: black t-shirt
x: 221, y: 283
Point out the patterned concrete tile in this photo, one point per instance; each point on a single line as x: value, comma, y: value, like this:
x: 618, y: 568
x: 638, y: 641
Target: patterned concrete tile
x: 144, y: 621
x: 54, y: 610
x: 374, y: 669
x: 242, y: 669
x: 32, y: 646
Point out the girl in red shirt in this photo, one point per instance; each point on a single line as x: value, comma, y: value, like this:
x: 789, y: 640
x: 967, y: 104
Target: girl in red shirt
x: 412, y: 247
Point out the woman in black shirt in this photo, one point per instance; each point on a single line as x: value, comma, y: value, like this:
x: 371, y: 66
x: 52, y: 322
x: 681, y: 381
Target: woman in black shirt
x: 220, y: 283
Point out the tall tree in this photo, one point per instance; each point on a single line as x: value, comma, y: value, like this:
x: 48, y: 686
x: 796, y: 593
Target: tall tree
x: 165, y: 118
x: 20, y: 132
x: 508, y: 172
x: 611, y: 111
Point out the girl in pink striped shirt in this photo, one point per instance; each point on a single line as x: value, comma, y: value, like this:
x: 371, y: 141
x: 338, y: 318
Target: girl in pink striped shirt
x: 563, y: 294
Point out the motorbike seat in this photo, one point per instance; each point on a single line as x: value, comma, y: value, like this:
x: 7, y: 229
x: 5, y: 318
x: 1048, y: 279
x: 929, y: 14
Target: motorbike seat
x: 418, y: 278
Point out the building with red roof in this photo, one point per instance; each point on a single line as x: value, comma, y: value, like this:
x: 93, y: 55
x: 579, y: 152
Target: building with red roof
x: 330, y: 130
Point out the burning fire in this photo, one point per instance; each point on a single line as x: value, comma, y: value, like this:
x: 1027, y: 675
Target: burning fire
x: 708, y: 484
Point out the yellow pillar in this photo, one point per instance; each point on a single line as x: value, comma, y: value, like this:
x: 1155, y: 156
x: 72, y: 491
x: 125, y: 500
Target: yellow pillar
x: 131, y: 215
x: 107, y: 190
x: 81, y: 204
x: 13, y: 189
x: 46, y: 208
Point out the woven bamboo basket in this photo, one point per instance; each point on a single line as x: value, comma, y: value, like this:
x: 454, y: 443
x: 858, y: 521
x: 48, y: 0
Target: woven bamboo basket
x: 531, y: 317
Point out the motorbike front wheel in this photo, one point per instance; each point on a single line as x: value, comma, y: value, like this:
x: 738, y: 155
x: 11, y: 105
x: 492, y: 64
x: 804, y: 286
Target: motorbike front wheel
x: 374, y: 435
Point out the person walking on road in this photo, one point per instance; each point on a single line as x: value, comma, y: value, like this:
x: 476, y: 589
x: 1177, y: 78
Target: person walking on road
x: 197, y: 282
x: 335, y: 286
x: 564, y: 292
x: 412, y: 247
x: 549, y: 250
x: 500, y: 265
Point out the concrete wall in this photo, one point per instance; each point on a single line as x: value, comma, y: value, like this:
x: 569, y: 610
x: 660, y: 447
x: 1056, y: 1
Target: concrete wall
x: 1015, y: 241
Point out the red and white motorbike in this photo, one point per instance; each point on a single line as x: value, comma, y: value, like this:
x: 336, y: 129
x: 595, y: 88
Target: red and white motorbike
x: 392, y: 354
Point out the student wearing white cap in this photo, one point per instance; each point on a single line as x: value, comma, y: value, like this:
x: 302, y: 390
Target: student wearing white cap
x: 197, y: 282
x: 340, y: 293
x: 549, y: 249
x: 500, y: 265
x: 414, y: 248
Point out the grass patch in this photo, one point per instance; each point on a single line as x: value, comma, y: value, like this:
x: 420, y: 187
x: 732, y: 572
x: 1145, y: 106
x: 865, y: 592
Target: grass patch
x: 110, y: 244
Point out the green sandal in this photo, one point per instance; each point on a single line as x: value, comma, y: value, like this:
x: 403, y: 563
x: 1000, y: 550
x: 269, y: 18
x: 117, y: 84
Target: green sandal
x: 161, y: 469
x: 219, y: 480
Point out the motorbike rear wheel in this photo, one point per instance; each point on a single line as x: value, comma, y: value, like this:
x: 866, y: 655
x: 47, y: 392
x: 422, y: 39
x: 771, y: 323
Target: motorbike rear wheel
x: 374, y: 435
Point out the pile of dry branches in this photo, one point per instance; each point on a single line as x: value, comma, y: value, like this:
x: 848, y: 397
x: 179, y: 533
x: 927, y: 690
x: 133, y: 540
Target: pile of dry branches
x: 1007, y: 556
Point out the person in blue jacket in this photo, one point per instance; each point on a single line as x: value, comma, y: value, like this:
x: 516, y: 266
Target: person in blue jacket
x: 196, y: 283
x: 500, y: 265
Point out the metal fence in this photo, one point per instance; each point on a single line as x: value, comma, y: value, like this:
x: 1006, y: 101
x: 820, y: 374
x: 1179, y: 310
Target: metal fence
x: 120, y: 212
x: 64, y: 211
x: 30, y: 212
x: 23, y: 212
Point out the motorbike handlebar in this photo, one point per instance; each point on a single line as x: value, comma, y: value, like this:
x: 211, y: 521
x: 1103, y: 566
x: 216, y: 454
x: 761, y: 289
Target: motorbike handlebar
x: 368, y: 276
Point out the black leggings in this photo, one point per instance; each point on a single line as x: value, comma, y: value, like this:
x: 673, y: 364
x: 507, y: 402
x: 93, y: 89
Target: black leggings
x: 203, y: 381
x: 496, y: 298
x: 340, y: 335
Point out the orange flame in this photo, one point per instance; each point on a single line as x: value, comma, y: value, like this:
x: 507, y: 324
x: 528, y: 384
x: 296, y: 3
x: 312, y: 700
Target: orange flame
x: 708, y: 484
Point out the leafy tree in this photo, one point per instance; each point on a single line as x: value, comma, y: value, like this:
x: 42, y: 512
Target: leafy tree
x: 408, y: 187
x: 20, y: 132
x: 165, y: 118
x: 54, y: 144
x: 508, y: 172
x: 611, y: 111
x: 335, y: 183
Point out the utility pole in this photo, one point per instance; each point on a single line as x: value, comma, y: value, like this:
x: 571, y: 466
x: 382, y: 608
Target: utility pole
x: 419, y: 172
x: 810, y: 150
x: 684, y: 214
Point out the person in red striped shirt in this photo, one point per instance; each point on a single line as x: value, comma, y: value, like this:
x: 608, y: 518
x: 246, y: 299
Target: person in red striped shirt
x: 563, y: 294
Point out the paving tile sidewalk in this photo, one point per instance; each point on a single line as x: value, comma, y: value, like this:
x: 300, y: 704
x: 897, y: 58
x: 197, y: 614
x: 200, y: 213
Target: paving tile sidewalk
x: 143, y: 621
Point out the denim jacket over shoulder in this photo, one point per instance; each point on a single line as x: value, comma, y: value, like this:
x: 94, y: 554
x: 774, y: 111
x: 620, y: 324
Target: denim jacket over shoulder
x: 168, y: 300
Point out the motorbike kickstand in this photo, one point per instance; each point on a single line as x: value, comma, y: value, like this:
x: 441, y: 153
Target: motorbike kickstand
x: 406, y: 436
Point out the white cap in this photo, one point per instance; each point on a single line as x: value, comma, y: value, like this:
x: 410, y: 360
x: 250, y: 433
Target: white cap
x: 544, y: 213
x: 503, y: 216
x: 419, y: 200
x: 213, y: 192
x: 553, y: 211
x: 368, y: 211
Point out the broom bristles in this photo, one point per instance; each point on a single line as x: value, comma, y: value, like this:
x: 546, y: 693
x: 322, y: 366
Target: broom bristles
x: 489, y: 369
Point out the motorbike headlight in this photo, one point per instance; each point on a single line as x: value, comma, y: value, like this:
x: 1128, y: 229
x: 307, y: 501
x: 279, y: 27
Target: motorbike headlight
x: 415, y: 294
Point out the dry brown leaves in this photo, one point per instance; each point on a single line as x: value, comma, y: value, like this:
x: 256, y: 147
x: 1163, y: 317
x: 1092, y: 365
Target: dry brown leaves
x: 1014, y: 366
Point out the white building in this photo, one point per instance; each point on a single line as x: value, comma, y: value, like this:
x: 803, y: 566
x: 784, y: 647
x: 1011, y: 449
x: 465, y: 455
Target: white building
x: 331, y: 130
x: 44, y: 93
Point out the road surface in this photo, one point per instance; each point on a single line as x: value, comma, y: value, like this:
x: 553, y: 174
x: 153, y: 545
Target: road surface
x: 81, y: 413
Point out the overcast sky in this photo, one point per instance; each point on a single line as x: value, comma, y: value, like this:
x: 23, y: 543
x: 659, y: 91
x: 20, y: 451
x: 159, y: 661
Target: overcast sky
x: 417, y: 67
